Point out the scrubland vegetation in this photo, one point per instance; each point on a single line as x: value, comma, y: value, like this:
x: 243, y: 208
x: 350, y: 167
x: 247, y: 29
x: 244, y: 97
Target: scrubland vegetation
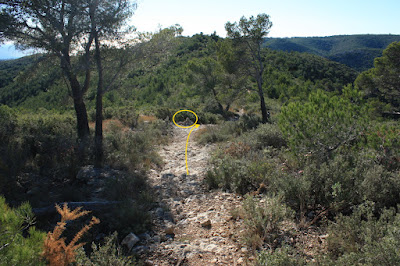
x: 327, y: 162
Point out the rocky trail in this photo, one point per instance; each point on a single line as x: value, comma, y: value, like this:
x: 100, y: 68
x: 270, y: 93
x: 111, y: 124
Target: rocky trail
x: 193, y: 226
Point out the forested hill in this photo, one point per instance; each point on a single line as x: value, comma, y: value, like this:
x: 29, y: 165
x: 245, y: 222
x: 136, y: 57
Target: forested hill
x: 165, y: 80
x: 355, y: 51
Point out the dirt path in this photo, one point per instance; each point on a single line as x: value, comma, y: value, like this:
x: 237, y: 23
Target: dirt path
x: 193, y: 226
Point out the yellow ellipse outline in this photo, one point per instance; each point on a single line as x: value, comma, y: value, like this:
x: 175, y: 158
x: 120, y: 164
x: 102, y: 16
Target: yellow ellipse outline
x: 190, y: 111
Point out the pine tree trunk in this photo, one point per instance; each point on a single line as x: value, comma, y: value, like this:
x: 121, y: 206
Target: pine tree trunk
x: 77, y: 95
x: 98, y: 138
x: 259, y: 78
x: 81, y: 118
x: 264, y: 113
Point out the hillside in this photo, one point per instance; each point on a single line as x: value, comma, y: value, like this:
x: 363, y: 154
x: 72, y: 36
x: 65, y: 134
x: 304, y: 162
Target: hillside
x: 149, y: 82
x: 9, y: 69
x: 355, y: 51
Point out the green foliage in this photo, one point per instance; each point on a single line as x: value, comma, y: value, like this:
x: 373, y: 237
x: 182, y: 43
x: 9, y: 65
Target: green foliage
x: 263, y: 221
x: 291, y: 69
x: 127, y: 115
x: 228, y: 129
x: 8, y: 121
x: 339, y: 183
x: 385, y: 139
x: 383, y: 80
x: 356, y: 51
x: 254, y: 28
x: 237, y: 175
x: 211, y: 135
x: 324, y: 123
x: 284, y: 256
x: 246, y: 162
x: 364, y: 239
x: 20, y: 242
x: 108, y: 253
x: 265, y: 135
x: 130, y: 217
x: 149, y: 80
x: 31, y: 81
x: 9, y: 69
x: 42, y: 143
x: 132, y: 150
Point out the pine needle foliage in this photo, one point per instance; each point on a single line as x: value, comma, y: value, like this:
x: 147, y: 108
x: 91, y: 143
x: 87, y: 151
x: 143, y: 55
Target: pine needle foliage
x: 18, y: 236
x: 56, y: 251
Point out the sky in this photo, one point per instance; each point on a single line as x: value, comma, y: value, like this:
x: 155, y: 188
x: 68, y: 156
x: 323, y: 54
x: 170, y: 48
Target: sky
x: 290, y: 18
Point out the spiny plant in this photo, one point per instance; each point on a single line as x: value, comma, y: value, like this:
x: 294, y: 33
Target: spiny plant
x: 56, y: 251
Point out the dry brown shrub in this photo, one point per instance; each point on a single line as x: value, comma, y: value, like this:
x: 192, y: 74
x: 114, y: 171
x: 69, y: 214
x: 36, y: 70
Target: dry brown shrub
x: 56, y: 251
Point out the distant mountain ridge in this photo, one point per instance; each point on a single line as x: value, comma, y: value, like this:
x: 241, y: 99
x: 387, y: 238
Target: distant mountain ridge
x: 355, y: 51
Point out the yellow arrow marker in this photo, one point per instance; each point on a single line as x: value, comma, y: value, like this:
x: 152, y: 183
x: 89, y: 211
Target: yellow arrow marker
x: 193, y: 126
x: 187, y: 143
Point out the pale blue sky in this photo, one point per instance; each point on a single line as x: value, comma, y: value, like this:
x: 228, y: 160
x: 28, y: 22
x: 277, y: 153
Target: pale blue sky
x: 290, y: 18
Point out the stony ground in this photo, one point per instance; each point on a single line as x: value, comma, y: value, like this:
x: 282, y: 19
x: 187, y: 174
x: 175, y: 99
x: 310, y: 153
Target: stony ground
x: 194, y: 226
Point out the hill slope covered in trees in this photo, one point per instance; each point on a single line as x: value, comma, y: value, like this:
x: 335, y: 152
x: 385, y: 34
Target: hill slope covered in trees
x: 355, y: 51
x: 162, y: 80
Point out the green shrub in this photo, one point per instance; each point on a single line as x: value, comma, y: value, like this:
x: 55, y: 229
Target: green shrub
x: 43, y: 143
x: 385, y: 139
x: 339, y: 183
x: 295, y: 189
x: 164, y: 113
x: 131, y: 150
x: 263, y: 221
x: 51, y: 138
x: 209, y: 118
x: 225, y: 131
x: 239, y: 175
x: 129, y: 216
x: 381, y: 186
x: 284, y: 256
x: 248, y: 121
x: 229, y: 174
x: 8, y: 121
x: 265, y: 135
x: 20, y: 242
x: 364, y: 239
x: 324, y: 123
x: 109, y: 253
x: 211, y: 134
x: 127, y: 115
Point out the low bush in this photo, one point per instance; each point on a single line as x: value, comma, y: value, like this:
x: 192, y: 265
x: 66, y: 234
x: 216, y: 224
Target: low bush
x: 164, y: 113
x: 242, y: 165
x: 211, y: 134
x: 40, y: 144
x: 131, y: 149
x: 339, y: 183
x: 263, y: 221
x: 228, y: 130
x: 284, y: 256
x: 385, y: 139
x: 129, y: 216
x: 209, y: 118
x: 364, y: 238
x: 108, y: 253
x: 127, y: 115
x: 266, y: 135
x: 239, y: 175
